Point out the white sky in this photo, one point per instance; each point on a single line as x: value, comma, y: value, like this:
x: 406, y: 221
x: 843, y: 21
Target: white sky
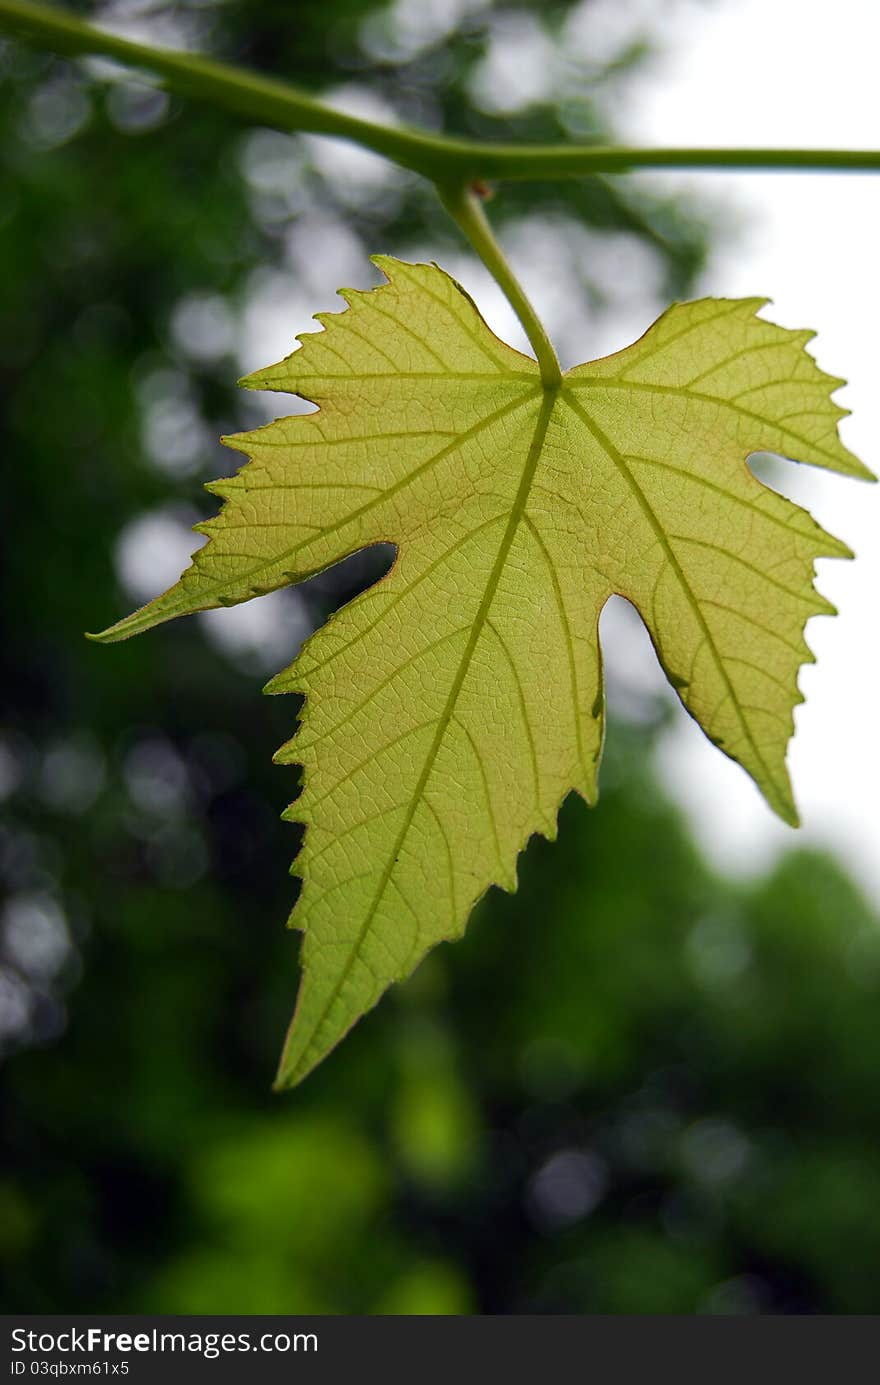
x: 798, y: 72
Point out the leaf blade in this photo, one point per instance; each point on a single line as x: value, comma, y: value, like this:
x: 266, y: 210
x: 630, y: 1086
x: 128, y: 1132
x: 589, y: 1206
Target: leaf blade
x: 451, y: 707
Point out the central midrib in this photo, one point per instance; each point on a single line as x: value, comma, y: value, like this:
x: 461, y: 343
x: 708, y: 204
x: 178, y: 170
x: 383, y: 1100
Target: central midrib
x: 516, y: 514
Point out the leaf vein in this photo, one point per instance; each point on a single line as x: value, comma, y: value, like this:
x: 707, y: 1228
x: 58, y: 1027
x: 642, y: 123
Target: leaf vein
x: 644, y: 504
x: 445, y: 717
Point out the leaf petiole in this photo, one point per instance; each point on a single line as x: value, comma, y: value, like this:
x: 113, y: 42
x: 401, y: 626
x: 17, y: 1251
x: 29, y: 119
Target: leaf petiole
x: 466, y: 209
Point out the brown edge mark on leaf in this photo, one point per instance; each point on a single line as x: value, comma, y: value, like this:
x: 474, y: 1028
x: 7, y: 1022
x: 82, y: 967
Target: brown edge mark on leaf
x: 784, y: 806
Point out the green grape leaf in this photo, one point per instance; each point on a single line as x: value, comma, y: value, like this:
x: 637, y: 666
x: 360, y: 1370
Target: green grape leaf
x: 451, y: 707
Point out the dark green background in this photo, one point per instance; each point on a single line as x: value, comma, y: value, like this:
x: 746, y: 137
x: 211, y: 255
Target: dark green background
x: 633, y: 1088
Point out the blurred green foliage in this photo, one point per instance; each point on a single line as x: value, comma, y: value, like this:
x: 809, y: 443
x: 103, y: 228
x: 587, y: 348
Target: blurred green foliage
x: 634, y: 1087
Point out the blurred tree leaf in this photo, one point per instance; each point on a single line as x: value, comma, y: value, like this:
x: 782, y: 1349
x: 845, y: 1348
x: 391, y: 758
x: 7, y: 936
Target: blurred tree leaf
x: 453, y: 705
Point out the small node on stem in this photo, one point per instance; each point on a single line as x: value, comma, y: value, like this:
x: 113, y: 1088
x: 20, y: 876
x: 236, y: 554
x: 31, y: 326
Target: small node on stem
x: 481, y: 189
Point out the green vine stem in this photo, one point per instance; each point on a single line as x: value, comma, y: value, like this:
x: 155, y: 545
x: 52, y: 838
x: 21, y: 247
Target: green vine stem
x: 453, y: 165
x: 443, y: 160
